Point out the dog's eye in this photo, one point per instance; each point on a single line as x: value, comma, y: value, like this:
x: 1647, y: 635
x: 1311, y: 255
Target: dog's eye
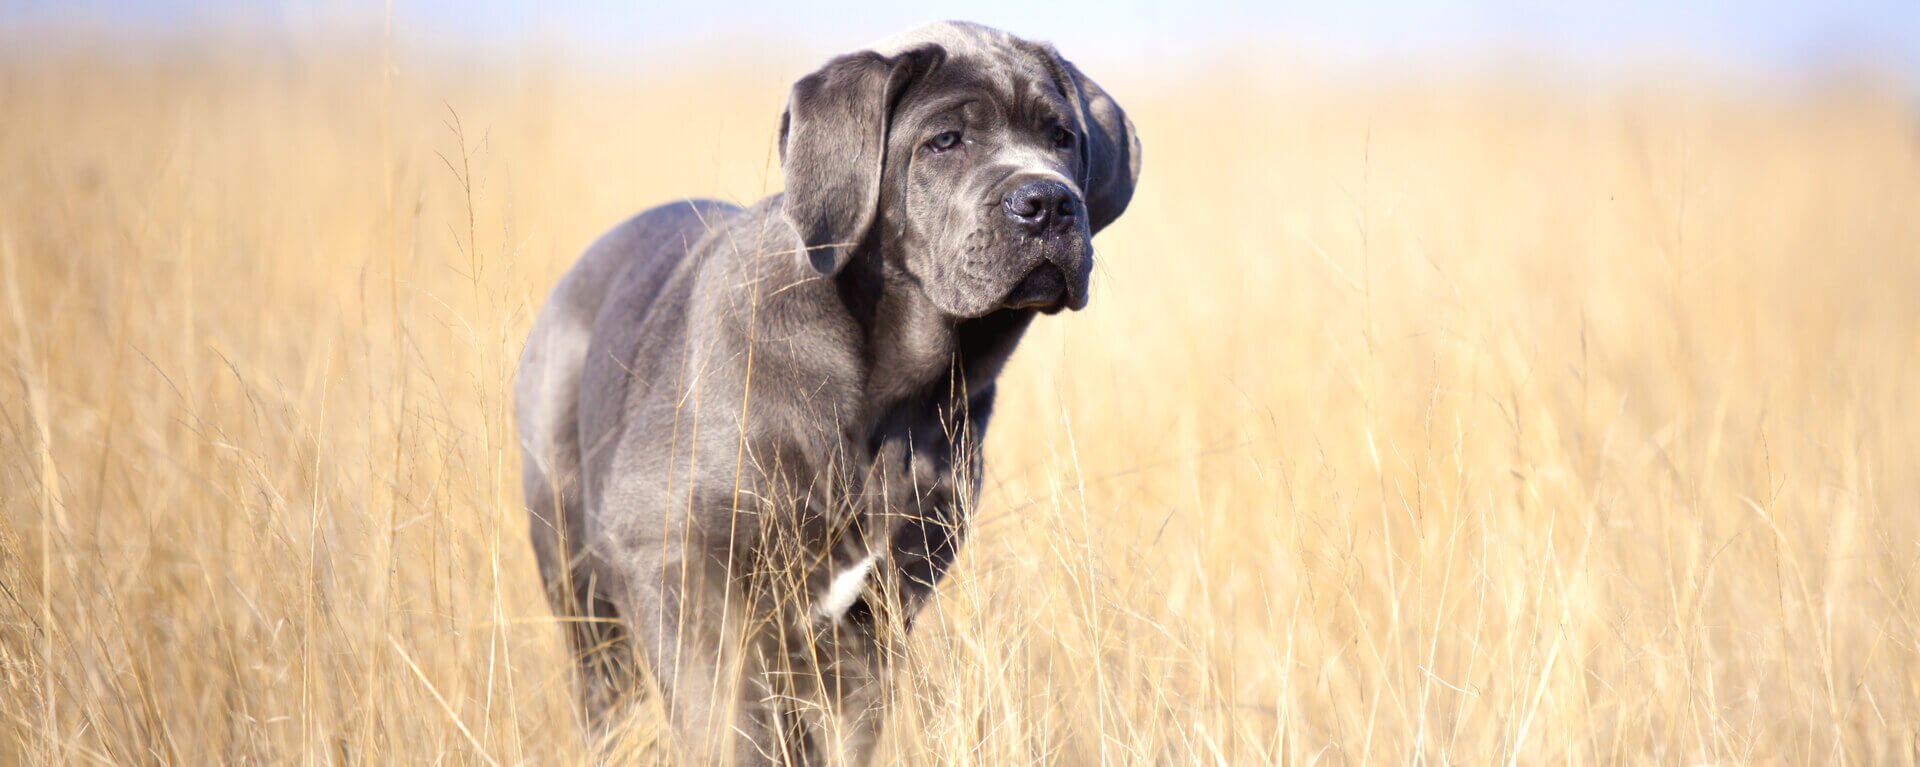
x: 1062, y: 138
x: 944, y: 141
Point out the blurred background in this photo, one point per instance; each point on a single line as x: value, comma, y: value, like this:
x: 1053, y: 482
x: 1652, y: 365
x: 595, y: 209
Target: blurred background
x: 1467, y: 383
x: 1774, y: 43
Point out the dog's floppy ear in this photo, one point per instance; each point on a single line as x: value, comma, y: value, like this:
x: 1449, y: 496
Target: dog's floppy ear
x: 1110, y: 152
x: 833, y: 142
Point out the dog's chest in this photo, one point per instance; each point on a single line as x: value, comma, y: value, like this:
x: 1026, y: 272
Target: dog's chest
x: 905, y: 489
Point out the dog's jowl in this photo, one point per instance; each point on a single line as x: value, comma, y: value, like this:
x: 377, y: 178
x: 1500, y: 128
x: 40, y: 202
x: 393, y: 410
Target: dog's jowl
x: 752, y: 435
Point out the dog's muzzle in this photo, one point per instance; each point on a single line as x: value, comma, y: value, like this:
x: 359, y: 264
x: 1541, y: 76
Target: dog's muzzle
x: 1047, y: 213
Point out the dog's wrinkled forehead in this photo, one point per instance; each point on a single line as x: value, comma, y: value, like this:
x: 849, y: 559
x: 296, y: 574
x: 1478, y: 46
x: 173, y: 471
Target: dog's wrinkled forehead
x: 996, y: 54
x: 959, y: 38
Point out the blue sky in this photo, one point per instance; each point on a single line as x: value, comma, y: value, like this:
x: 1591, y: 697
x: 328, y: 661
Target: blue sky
x: 1765, y: 39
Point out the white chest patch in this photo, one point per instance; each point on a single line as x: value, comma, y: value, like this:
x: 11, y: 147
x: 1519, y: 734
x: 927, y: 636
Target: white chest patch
x: 845, y: 588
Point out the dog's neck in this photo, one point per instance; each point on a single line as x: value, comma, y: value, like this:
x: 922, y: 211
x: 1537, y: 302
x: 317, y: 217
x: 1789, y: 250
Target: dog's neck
x: 909, y: 342
x: 915, y: 349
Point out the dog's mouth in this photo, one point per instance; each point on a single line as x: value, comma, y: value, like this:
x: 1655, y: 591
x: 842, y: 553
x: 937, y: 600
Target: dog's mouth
x: 1045, y: 289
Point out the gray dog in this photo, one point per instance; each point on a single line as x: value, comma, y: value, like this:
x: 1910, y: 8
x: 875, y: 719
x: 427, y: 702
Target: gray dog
x: 751, y: 434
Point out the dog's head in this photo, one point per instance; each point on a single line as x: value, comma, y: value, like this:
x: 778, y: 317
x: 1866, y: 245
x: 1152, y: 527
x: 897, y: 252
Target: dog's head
x: 982, y: 162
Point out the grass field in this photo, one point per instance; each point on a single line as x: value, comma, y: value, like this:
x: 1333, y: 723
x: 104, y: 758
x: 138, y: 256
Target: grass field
x: 1442, y: 421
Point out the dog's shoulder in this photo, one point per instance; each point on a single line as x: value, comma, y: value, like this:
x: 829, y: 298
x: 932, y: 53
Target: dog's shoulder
x: 730, y: 328
x: 754, y: 292
x: 711, y: 295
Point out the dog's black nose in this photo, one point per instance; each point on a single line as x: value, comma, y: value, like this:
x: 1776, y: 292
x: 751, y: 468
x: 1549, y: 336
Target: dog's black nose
x: 1042, y: 207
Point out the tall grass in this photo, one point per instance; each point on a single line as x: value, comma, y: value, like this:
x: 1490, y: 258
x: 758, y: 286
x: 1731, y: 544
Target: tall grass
x: 1453, y: 423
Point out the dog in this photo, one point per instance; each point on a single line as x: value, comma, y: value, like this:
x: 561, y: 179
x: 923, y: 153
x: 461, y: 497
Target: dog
x: 752, y: 435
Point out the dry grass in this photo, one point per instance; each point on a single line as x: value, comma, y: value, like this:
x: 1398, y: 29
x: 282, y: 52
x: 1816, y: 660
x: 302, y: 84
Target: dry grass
x: 1452, y: 424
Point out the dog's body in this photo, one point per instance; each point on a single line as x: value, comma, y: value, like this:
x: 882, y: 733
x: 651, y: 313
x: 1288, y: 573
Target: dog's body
x: 751, y: 435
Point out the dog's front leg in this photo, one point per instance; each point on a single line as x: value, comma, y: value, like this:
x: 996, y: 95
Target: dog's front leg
x: 688, y: 623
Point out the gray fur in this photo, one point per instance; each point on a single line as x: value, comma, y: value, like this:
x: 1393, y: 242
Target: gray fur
x: 751, y: 435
